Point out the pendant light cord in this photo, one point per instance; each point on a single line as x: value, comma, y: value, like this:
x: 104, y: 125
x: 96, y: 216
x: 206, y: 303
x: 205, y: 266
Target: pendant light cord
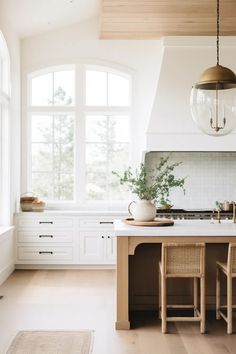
x: 218, y: 32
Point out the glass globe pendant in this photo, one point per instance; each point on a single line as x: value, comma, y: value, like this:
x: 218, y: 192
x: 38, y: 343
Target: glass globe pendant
x: 213, y: 98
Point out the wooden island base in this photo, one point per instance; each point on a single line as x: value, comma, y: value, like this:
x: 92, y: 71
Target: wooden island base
x: 129, y: 267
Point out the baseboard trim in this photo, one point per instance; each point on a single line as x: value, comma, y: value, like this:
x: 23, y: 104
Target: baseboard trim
x: 6, y: 272
x: 63, y: 267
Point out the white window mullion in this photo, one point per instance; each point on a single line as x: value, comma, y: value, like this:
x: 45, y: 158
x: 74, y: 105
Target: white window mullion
x: 27, y: 186
x: 52, y: 109
x: 80, y: 167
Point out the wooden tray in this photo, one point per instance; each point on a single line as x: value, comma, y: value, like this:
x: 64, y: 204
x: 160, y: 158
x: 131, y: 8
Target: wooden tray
x: 155, y: 222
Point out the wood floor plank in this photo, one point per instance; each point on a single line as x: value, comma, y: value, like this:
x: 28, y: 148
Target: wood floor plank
x: 81, y: 299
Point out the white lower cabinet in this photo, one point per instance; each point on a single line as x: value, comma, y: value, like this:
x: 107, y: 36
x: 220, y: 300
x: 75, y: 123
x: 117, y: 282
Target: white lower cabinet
x: 45, y: 253
x: 111, y: 248
x: 65, y: 239
x: 97, y: 248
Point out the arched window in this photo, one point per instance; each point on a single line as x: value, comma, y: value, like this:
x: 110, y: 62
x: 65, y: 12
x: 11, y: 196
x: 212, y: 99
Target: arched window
x: 4, y: 67
x: 79, y: 128
x: 4, y: 122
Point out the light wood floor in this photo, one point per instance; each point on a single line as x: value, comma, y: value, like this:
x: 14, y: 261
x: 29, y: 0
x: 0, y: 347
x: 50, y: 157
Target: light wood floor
x: 80, y: 299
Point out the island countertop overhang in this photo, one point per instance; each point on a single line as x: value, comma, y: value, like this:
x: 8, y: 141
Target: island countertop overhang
x: 181, y: 228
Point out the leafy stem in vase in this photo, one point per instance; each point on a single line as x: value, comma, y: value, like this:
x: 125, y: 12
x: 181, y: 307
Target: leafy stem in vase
x: 154, y: 184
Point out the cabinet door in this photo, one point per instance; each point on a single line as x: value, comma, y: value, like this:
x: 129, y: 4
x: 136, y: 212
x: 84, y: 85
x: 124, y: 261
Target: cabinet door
x: 92, y: 247
x: 111, y: 248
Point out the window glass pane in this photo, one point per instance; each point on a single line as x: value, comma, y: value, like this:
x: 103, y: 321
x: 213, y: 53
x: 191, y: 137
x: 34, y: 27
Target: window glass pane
x: 118, y: 157
x: 119, y: 128
x: 42, y: 90
x: 101, y: 160
x: 63, y: 157
x: 63, y: 128
x: 96, y: 171
x: 103, y: 128
x: 54, y: 155
x: 42, y: 185
x: 96, y: 128
x: 41, y: 127
x: 118, y: 90
x: 107, y: 149
x: 64, y: 88
x: 63, y: 186
x: 42, y: 157
x: 95, y: 155
x: 96, y: 88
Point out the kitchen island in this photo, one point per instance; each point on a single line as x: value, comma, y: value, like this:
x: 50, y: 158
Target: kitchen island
x: 130, y: 237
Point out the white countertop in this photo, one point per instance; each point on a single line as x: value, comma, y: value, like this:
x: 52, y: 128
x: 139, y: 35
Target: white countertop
x: 116, y: 213
x: 180, y: 228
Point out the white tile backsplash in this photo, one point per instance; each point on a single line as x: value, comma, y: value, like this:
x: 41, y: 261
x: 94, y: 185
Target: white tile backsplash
x: 211, y: 177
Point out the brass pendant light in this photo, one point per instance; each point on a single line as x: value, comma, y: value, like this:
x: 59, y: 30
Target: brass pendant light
x: 213, y: 97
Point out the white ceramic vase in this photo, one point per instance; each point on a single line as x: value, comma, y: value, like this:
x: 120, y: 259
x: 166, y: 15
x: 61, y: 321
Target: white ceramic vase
x: 143, y: 210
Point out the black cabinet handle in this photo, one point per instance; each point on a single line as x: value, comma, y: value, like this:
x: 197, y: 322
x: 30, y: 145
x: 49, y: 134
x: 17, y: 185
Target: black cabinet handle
x: 46, y: 222
x: 41, y: 236
x: 106, y: 222
x: 102, y: 236
x: 109, y: 237
x: 44, y: 252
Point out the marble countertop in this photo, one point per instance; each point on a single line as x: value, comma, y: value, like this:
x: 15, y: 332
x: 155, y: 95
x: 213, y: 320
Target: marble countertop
x: 180, y: 228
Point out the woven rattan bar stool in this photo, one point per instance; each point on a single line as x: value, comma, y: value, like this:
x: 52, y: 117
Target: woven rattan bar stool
x: 182, y: 260
x: 229, y: 269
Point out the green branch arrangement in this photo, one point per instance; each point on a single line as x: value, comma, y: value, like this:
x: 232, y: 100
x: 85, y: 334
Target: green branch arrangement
x: 154, y: 184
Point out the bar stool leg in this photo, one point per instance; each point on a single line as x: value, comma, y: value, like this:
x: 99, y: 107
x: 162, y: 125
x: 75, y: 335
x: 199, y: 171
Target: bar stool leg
x: 163, y: 304
x: 229, y: 305
x: 195, y: 295
x: 203, y: 305
x: 218, y: 294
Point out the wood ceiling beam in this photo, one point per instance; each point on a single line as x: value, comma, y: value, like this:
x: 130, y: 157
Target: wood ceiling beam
x: 153, y: 19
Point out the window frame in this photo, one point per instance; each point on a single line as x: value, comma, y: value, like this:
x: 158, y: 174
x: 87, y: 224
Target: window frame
x: 5, y: 101
x: 80, y: 111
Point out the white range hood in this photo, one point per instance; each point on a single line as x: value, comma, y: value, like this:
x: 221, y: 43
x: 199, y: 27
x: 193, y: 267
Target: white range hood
x: 171, y: 127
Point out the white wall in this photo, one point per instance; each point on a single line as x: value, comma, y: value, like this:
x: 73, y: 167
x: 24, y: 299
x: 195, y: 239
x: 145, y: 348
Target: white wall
x: 13, y: 44
x: 81, y: 42
x: 171, y: 126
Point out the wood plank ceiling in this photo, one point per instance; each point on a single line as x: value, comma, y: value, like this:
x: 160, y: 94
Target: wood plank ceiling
x: 152, y: 19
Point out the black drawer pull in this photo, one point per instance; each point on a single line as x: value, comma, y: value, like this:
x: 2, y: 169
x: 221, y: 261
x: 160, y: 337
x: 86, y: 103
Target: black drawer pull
x: 44, y: 252
x: 108, y: 236
x: 46, y: 222
x: 103, y: 237
x: 41, y: 236
x: 106, y: 222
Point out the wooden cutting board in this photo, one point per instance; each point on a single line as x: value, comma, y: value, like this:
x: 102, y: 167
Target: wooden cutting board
x: 155, y: 222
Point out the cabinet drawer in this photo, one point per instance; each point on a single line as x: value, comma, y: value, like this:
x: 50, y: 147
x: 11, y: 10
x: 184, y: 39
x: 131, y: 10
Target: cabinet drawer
x: 45, y: 236
x: 43, y: 222
x: 102, y: 223
x: 45, y: 253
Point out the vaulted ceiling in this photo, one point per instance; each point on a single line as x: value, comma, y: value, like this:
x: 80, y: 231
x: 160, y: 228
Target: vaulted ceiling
x: 122, y: 19
x: 30, y: 17
x: 152, y: 19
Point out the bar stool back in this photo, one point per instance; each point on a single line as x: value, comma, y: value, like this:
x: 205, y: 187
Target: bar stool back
x: 182, y: 260
x: 229, y: 269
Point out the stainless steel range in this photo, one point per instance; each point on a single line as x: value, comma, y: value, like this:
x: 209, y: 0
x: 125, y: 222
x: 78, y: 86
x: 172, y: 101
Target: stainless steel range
x: 190, y: 214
